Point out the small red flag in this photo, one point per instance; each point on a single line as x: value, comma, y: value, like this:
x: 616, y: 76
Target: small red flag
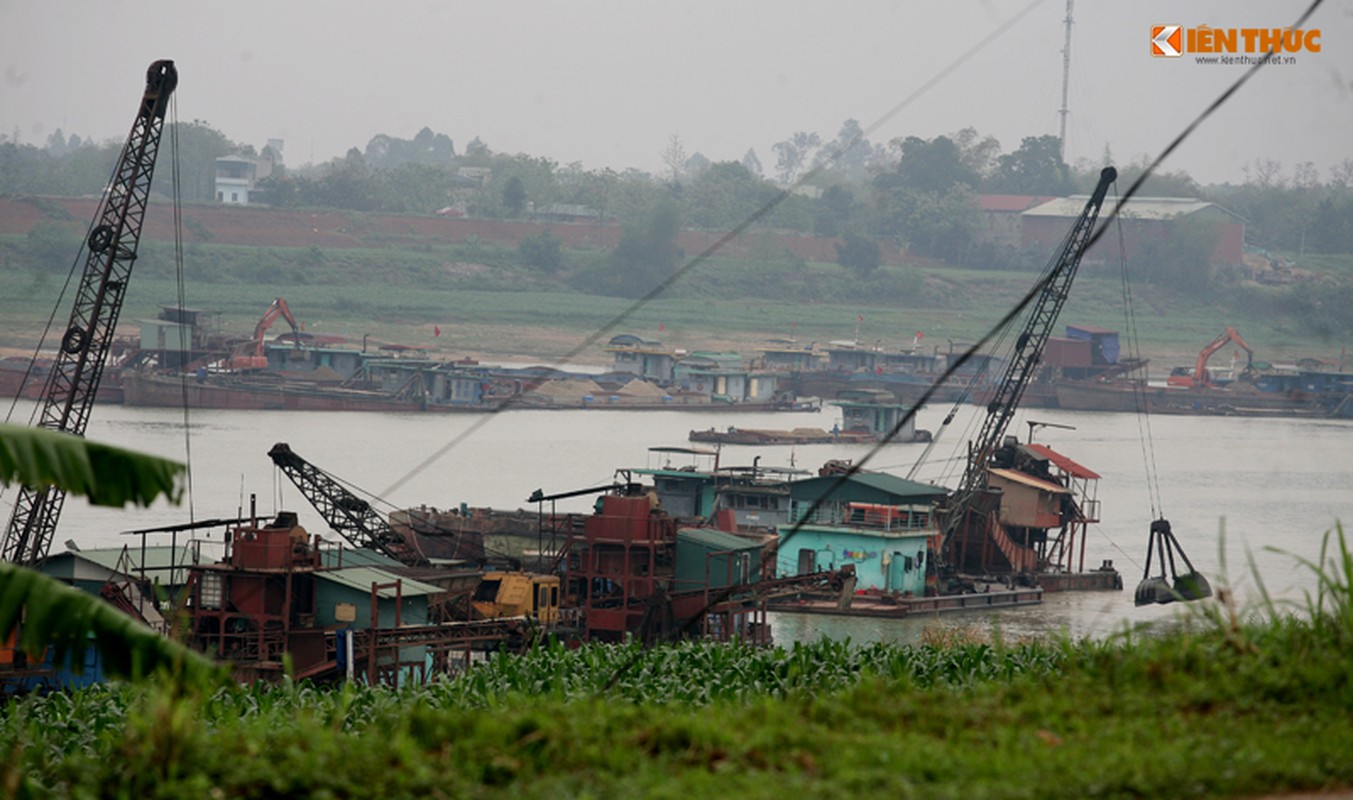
x: 919, y: 336
x: 662, y: 327
x: 859, y: 317
x: 436, y: 330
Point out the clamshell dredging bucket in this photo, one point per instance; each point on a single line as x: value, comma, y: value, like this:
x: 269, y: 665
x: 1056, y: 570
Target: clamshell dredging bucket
x: 1189, y: 585
x: 1192, y: 586
x: 1155, y: 590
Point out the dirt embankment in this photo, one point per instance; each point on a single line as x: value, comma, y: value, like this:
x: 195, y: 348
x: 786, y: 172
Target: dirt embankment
x: 267, y: 227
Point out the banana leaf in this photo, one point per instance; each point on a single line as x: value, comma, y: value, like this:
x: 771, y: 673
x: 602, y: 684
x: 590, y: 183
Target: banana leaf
x: 107, y: 475
x: 70, y: 622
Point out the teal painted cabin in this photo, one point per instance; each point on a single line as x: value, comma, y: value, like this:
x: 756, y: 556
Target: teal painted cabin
x: 878, y: 523
x: 884, y: 560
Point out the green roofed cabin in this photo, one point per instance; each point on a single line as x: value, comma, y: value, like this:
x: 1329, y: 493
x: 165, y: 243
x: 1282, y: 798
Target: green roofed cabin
x: 713, y: 558
x: 352, y: 585
x: 134, y: 575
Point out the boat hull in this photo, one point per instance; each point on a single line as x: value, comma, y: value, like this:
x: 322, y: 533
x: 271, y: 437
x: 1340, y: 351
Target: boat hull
x: 17, y: 379
x: 759, y: 436
x: 897, y: 607
x: 1198, y: 402
x: 175, y: 392
x: 243, y: 393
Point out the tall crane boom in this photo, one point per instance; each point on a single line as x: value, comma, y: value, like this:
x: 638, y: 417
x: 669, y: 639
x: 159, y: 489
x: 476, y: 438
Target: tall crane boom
x: 1028, y: 352
x: 351, y: 516
x: 78, y: 367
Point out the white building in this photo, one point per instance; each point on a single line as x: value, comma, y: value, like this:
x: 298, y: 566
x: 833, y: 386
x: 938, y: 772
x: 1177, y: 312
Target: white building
x: 236, y: 176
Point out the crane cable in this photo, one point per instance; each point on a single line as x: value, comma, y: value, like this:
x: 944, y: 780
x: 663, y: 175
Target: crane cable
x: 1094, y: 237
x: 1140, y: 389
x: 76, y: 265
x: 979, y: 376
x: 184, y: 349
x: 704, y: 255
x: 1002, y: 344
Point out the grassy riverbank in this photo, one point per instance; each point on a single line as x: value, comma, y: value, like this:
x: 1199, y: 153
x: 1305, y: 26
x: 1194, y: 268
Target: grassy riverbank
x: 488, y: 304
x: 1221, y: 704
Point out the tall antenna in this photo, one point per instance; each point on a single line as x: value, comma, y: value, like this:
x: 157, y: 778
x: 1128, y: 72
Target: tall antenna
x: 1066, y: 78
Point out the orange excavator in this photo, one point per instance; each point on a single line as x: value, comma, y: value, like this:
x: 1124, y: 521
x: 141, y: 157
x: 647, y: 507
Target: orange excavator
x: 1197, y: 377
x: 257, y: 359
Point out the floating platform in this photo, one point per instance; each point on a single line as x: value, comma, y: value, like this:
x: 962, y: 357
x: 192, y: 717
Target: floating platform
x: 889, y: 606
x: 1100, y: 580
x: 763, y: 436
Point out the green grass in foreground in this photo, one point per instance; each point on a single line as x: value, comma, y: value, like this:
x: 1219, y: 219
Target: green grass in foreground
x: 1218, y: 705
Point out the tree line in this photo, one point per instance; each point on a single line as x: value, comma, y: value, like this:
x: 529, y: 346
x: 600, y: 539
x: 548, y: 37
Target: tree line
x: 917, y: 193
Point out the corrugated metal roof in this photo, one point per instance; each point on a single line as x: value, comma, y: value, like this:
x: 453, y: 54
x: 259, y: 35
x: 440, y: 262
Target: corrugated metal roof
x: 694, y: 451
x: 361, y: 578
x: 1091, y: 329
x: 357, y: 557
x: 157, y: 557
x: 631, y: 338
x: 1068, y: 466
x: 881, y: 481
x: 716, y: 539
x: 1158, y: 208
x: 1009, y: 202
x: 1029, y: 480
x: 629, y: 343
x: 672, y: 472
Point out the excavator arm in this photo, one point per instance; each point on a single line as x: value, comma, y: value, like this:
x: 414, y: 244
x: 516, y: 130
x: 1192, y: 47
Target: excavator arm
x: 278, y: 308
x: 1201, y: 377
x: 254, y: 357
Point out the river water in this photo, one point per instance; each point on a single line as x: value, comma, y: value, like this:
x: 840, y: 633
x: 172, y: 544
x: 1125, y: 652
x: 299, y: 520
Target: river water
x: 1238, y: 491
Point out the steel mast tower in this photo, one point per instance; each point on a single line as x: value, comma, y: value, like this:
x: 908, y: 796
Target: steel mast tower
x: 111, y: 248
x: 1066, y: 80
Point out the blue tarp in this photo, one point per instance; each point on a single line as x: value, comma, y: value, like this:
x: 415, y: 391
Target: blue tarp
x: 1103, y: 343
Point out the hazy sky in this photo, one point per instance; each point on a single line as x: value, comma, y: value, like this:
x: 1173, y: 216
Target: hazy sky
x: 608, y: 82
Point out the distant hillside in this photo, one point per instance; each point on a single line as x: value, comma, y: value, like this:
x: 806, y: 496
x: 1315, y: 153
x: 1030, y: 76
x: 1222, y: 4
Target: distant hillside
x: 265, y: 227
x: 397, y: 276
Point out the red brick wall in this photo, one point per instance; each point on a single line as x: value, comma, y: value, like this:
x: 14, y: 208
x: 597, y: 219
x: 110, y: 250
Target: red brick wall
x: 291, y: 228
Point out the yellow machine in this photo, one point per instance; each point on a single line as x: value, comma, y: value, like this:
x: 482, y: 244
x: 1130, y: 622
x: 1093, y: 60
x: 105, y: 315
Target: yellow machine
x: 517, y: 594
